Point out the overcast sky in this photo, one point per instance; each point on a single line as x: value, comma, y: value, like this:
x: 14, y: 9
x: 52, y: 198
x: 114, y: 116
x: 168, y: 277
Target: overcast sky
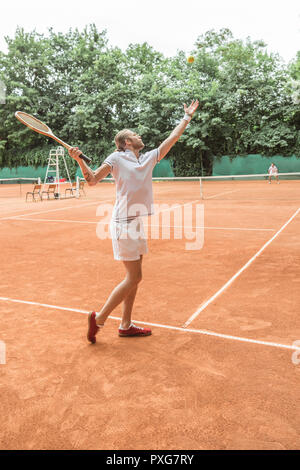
x: 167, y: 25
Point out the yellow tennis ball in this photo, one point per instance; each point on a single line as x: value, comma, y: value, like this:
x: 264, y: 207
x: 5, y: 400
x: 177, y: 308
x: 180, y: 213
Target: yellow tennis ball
x: 190, y: 59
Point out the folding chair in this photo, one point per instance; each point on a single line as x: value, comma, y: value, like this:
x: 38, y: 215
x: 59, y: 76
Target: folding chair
x: 71, y: 189
x: 81, y: 187
x: 74, y: 188
x: 36, y: 192
x: 51, y: 190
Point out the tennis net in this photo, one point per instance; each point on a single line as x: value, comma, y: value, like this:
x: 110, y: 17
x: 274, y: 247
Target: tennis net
x: 251, y: 187
x: 255, y: 187
x: 16, y: 187
x: 227, y: 187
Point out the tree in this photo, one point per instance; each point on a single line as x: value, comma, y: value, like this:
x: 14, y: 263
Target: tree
x: 87, y: 91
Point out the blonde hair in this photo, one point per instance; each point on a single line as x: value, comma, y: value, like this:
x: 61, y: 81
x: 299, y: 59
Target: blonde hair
x: 120, y: 139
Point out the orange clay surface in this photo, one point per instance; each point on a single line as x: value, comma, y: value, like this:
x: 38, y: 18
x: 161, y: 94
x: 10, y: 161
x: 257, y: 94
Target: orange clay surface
x: 177, y: 389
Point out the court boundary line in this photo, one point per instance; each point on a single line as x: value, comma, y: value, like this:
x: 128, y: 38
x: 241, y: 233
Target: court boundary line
x: 84, y: 205
x: 239, y: 272
x: 159, y: 325
x: 220, y: 194
x: 175, y: 206
x: 57, y: 209
x: 150, y: 225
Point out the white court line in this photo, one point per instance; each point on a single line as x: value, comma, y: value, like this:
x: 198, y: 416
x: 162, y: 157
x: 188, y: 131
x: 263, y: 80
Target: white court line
x: 57, y: 220
x: 213, y: 228
x: 220, y: 291
x: 9, y: 210
x: 169, y: 327
x: 57, y: 209
x: 149, y: 225
x: 171, y: 208
x: 82, y: 205
x: 221, y: 194
x: 16, y: 217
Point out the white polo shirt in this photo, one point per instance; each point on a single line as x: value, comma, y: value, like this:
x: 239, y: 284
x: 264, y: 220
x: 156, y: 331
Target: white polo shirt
x: 133, y: 177
x: 273, y: 170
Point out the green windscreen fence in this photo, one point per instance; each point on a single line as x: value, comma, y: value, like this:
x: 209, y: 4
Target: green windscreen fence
x: 23, y: 172
x: 254, y: 164
x: 240, y: 165
x: 162, y: 169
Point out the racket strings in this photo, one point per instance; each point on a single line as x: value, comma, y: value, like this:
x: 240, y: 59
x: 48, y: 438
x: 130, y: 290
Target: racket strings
x: 33, y: 122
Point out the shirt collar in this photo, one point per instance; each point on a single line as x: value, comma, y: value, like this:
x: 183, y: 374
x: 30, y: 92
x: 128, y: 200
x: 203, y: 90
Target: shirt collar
x: 130, y: 152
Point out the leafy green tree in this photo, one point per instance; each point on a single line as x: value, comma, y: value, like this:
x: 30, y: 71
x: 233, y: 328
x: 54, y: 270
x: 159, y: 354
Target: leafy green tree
x: 86, y: 91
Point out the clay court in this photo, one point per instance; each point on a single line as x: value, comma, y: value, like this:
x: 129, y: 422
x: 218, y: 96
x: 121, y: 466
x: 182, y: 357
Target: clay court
x: 218, y: 371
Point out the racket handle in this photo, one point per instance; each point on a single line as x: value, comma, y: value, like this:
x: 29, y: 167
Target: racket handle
x: 85, y: 158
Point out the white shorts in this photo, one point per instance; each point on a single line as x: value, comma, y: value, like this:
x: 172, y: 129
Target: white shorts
x: 128, y: 239
x: 273, y: 174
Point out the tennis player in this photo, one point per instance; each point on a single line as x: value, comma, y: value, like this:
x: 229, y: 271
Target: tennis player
x: 132, y: 172
x: 273, y: 171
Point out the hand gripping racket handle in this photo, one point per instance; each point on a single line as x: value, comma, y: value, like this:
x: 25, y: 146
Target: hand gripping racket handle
x: 85, y: 158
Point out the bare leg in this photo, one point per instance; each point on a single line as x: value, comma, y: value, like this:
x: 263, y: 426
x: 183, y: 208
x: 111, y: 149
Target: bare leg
x: 127, y: 306
x: 122, y: 291
x: 127, y: 309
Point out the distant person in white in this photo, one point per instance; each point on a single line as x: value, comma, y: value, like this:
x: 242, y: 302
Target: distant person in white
x: 273, y: 171
x: 133, y: 176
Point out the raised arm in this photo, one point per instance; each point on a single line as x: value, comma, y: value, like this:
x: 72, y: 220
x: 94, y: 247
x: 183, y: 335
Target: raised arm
x: 178, y: 131
x: 90, y: 176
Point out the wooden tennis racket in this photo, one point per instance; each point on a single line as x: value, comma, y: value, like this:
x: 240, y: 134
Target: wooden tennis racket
x: 38, y: 126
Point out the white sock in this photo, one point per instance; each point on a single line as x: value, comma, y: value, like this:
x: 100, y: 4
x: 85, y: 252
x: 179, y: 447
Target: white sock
x: 120, y: 327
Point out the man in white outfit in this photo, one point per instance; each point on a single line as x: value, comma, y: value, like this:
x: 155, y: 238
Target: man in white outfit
x: 273, y: 171
x: 134, y: 198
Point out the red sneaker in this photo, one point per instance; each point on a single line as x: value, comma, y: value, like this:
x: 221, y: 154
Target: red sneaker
x: 134, y: 330
x: 93, y: 328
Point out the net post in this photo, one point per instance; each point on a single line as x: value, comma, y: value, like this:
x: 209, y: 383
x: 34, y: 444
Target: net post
x: 39, y: 180
x: 77, y: 186
x: 57, y: 173
x: 201, y: 188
